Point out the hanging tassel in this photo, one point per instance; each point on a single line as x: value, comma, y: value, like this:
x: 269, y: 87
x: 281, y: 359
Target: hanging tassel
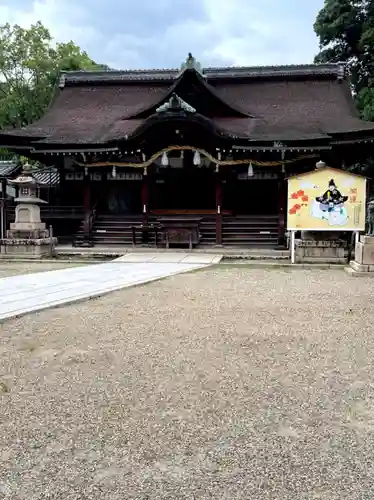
x: 145, y: 172
x: 114, y: 171
x: 164, y: 159
x: 217, y: 168
x: 143, y: 157
x: 196, y: 158
x: 250, y: 170
x: 86, y: 171
x: 182, y: 154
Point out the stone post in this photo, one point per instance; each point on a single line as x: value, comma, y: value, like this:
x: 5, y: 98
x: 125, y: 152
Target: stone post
x: 364, y: 257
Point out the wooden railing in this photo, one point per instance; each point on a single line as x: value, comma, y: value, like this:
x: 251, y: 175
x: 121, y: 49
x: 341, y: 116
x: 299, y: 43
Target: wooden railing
x: 188, y: 212
x: 87, y: 239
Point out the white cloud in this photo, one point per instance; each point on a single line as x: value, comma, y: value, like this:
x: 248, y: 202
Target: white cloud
x: 128, y: 34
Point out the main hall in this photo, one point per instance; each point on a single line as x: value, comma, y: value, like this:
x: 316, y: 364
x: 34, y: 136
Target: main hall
x: 200, y: 155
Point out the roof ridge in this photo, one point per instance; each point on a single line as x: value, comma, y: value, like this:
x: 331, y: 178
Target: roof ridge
x: 277, y: 66
x: 170, y: 75
x: 208, y: 68
x: 119, y: 71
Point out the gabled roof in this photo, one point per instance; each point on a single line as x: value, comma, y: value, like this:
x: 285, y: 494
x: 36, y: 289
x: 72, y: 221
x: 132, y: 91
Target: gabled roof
x: 285, y: 103
x: 194, y: 90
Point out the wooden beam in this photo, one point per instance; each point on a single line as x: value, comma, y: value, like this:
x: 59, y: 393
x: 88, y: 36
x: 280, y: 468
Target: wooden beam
x: 299, y: 149
x: 3, y: 209
x: 68, y: 151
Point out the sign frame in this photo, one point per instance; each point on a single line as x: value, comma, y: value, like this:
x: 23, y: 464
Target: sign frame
x: 330, y: 172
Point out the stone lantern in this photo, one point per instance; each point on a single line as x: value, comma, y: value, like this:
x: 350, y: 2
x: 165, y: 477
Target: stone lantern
x: 28, y: 234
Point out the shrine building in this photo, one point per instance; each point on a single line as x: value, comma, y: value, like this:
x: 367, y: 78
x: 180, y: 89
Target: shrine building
x: 208, y: 148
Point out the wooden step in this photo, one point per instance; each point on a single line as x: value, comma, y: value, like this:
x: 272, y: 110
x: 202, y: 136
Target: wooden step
x: 246, y: 231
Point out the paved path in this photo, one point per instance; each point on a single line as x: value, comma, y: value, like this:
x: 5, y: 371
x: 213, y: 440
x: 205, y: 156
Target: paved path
x: 33, y: 292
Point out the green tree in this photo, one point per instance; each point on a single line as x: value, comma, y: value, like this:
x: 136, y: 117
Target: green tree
x: 345, y: 29
x: 29, y: 68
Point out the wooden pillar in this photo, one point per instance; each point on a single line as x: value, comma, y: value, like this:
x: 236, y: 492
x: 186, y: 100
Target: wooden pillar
x: 86, y: 194
x: 218, y: 208
x: 282, y: 204
x: 3, y: 209
x: 86, y: 204
x: 61, y: 189
x: 145, y: 195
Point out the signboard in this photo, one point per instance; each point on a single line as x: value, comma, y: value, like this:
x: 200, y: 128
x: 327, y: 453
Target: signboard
x: 326, y: 199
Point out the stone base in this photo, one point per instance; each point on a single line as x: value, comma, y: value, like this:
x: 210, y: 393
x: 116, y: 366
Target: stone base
x: 28, y: 248
x: 312, y: 251
x: 361, y: 268
x: 27, y: 226
x: 21, y: 234
x: 358, y: 274
x: 364, y: 257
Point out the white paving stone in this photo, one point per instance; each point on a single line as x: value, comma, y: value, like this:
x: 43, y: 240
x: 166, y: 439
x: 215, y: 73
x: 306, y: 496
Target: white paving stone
x: 33, y: 292
x: 136, y: 257
x: 170, y: 257
x: 201, y: 259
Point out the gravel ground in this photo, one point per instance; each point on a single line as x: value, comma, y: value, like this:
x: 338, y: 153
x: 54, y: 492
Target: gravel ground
x: 228, y: 384
x: 16, y: 268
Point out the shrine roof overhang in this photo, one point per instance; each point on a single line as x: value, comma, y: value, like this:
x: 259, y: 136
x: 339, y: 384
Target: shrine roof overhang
x: 180, y: 119
x: 286, y: 103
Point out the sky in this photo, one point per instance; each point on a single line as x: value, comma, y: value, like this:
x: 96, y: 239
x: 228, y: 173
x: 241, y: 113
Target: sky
x: 143, y: 34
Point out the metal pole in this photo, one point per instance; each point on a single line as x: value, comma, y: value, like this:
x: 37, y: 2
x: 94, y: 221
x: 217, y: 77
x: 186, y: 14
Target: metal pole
x: 50, y: 241
x: 292, y: 247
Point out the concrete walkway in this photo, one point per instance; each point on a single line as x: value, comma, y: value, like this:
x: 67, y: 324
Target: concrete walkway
x: 34, y: 292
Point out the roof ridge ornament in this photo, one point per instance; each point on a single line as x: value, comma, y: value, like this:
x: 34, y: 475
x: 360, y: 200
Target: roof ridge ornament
x: 175, y: 103
x: 192, y: 63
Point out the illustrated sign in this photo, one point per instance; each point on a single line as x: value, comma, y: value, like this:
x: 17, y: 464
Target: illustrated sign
x: 326, y: 199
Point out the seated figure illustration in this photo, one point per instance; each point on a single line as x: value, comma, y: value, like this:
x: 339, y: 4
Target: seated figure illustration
x: 330, y: 206
x: 332, y: 198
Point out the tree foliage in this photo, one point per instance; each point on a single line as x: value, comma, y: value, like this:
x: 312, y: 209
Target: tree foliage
x: 30, y: 64
x: 345, y: 29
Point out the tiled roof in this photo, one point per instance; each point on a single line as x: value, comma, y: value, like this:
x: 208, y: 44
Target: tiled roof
x: 48, y: 177
x: 7, y: 168
x: 281, y: 103
x: 288, y: 109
